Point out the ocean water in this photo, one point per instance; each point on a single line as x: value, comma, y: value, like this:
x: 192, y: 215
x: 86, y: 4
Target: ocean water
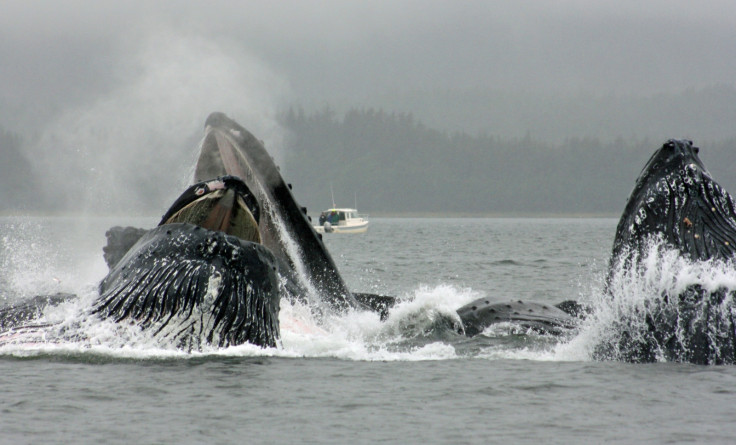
x: 353, y: 378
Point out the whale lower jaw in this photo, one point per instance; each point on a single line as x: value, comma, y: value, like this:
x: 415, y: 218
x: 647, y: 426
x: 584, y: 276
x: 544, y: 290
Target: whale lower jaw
x: 192, y: 287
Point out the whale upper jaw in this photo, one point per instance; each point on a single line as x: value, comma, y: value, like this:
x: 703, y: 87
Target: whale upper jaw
x: 285, y: 229
x: 676, y: 201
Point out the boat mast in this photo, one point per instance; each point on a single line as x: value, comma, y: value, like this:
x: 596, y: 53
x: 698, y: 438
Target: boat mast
x: 333, y: 196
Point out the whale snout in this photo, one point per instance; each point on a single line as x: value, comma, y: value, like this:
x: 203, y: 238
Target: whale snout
x: 681, y: 147
x: 672, y: 157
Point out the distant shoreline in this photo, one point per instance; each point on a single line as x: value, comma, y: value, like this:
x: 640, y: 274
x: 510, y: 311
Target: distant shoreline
x: 439, y: 215
x: 508, y: 215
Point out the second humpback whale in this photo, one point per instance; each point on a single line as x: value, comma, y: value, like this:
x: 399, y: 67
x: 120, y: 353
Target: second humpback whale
x: 675, y: 206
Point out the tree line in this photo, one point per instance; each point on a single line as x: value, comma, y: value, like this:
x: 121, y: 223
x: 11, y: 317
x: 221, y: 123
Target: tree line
x: 391, y: 163
x: 394, y: 164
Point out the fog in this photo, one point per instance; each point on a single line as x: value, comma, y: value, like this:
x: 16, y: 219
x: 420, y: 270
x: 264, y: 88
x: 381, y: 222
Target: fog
x: 110, y: 97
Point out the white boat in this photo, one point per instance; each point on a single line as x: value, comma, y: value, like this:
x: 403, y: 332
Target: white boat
x: 338, y: 220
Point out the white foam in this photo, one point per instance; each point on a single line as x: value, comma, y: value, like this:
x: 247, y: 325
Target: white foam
x: 634, y: 290
x: 361, y: 335
x: 410, y: 333
x: 355, y: 335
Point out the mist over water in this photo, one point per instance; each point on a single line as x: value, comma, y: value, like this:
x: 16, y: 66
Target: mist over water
x: 140, y: 137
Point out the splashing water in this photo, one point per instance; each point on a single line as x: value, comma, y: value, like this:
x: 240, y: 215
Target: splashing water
x: 422, y: 326
x: 356, y: 335
x: 35, y: 253
x: 38, y: 249
x: 660, y: 306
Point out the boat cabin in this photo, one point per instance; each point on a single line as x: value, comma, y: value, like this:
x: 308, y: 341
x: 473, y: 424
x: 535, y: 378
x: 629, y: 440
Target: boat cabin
x: 334, y: 216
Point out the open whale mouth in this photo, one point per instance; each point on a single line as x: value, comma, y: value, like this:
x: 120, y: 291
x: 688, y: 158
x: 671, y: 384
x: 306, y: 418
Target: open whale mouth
x: 193, y: 287
x: 221, y: 205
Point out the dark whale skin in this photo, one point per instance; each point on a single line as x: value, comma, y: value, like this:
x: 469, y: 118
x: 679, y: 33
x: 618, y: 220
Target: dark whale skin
x: 195, y: 287
x: 230, y: 149
x: 677, y: 199
x: 482, y: 313
x: 676, y: 204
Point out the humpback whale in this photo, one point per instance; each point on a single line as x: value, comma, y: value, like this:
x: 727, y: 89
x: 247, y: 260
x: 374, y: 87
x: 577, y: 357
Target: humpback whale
x: 202, y: 276
x: 676, y: 198
x: 230, y: 149
x: 229, y: 248
x: 676, y: 205
x: 225, y: 253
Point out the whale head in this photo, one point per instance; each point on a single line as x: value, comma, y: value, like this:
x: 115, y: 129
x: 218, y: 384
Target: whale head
x: 202, y: 277
x: 677, y: 201
x: 284, y: 227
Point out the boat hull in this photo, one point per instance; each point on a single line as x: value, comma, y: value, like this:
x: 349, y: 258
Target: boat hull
x: 355, y: 228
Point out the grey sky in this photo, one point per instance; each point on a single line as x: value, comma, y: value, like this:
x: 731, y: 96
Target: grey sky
x: 344, y: 51
x: 110, y: 83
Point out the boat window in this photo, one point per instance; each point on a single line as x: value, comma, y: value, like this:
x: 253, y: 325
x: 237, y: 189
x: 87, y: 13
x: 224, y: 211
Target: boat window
x: 328, y: 216
x: 342, y: 216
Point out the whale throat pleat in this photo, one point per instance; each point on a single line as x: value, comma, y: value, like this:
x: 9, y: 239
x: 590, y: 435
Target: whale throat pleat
x: 195, y: 287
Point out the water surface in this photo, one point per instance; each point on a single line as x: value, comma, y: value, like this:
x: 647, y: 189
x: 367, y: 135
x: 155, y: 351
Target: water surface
x: 354, y: 378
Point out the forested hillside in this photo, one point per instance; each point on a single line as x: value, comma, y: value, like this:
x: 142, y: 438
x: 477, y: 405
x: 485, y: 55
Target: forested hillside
x: 18, y: 184
x: 394, y: 164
